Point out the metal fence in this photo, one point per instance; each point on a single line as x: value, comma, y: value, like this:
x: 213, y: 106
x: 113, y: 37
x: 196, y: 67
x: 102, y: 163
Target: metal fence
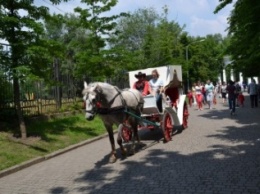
x: 38, y: 97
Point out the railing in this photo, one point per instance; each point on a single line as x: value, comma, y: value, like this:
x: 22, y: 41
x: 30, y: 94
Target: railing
x: 41, y: 106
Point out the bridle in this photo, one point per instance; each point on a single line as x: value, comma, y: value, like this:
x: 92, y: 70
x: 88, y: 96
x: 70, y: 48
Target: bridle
x: 97, y: 107
x: 96, y: 104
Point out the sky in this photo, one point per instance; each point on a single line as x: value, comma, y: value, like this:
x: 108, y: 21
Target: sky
x: 196, y: 15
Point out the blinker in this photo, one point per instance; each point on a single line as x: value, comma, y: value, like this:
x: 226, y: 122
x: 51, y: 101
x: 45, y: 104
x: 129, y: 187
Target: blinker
x: 98, y: 105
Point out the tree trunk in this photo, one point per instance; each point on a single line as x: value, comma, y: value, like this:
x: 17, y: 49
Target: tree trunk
x: 18, y: 108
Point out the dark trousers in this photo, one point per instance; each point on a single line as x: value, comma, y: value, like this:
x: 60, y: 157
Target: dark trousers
x: 232, y: 104
x: 159, y: 101
x: 254, y: 100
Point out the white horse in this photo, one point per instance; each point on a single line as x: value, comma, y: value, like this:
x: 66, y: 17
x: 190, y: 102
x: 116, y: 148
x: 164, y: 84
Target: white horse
x: 112, y: 106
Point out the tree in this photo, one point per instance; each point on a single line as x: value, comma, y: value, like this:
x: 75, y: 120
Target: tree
x: 205, y: 56
x: 244, y: 29
x: 167, y: 47
x: 20, y: 26
x: 148, y: 39
x: 94, y: 59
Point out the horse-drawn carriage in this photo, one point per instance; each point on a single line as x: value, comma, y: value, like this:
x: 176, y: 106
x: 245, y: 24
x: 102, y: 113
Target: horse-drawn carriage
x: 131, y: 111
x: 175, y: 110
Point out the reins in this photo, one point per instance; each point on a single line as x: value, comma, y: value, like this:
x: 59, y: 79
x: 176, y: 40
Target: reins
x: 105, y: 111
x: 98, y: 109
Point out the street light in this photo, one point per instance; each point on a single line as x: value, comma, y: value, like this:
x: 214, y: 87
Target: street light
x: 187, y: 59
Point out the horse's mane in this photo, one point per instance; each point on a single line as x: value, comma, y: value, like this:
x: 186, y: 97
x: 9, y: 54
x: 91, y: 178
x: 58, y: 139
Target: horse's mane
x: 101, y: 84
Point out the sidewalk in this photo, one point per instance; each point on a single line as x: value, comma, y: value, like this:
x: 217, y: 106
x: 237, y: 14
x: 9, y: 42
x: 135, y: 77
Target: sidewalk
x: 217, y: 153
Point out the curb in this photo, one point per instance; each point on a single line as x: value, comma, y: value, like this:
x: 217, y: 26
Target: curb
x: 37, y: 160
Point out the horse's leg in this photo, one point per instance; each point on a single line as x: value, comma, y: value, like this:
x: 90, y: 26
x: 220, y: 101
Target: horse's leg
x: 113, y: 157
x: 136, y: 136
x: 119, y: 140
x: 136, y: 132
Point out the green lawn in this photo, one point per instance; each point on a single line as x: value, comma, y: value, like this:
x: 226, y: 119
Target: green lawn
x: 45, y: 137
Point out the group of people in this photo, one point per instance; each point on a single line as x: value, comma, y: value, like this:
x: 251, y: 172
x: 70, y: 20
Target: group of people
x: 202, y: 94
x: 232, y: 92
x: 154, y: 86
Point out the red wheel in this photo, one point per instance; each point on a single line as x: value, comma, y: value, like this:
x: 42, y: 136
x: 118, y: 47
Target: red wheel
x: 167, y: 127
x: 185, y: 116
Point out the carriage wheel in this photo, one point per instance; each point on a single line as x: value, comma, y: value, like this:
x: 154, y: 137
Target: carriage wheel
x: 185, y: 116
x: 167, y: 127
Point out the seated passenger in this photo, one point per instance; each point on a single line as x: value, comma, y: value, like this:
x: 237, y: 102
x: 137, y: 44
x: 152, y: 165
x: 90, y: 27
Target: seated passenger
x: 156, y: 88
x: 141, y: 84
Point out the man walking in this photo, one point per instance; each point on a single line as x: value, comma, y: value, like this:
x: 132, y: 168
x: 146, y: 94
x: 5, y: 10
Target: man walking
x: 252, y: 90
x: 231, y: 89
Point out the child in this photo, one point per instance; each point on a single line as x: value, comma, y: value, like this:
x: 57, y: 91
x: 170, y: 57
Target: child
x: 190, y: 97
x: 241, y: 99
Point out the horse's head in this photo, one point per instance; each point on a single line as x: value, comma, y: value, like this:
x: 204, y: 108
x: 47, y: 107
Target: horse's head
x: 91, y: 99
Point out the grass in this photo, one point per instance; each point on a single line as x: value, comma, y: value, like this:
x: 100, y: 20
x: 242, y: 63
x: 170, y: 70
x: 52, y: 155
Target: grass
x: 45, y: 137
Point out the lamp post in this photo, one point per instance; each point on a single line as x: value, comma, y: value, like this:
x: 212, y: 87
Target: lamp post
x: 187, y: 60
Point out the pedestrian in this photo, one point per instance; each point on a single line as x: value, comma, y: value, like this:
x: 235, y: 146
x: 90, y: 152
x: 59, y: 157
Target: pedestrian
x: 231, y: 89
x: 215, y: 94
x: 199, y: 96
x: 190, y: 97
x: 194, y: 94
x: 244, y: 86
x: 223, y: 90
x: 203, y: 91
x: 241, y: 99
x: 252, y: 90
x: 238, y: 90
x: 209, y: 93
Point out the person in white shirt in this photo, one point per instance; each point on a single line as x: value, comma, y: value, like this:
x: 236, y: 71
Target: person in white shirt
x: 223, y: 90
x: 156, y: 88
x: 209, y: 93
x: 253, y: 91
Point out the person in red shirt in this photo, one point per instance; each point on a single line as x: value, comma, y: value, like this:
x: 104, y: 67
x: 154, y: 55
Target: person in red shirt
x: 142, y: 85
x: 241, y: 99
x: 190, y: 97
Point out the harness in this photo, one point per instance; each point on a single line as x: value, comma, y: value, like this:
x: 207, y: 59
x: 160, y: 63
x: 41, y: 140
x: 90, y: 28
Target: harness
x: 98, y: 109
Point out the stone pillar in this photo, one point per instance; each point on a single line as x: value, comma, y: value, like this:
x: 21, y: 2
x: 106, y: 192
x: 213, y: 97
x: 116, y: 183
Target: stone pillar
x: 256, y: 80
x: 224, y: 76
x: 219, y: 79
x: 240, y: 78
x: 232, y: 75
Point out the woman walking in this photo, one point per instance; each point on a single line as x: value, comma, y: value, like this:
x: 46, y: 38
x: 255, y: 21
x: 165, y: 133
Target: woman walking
x: 198, y: 95
x: 223, y: 90
x: 209, y: 93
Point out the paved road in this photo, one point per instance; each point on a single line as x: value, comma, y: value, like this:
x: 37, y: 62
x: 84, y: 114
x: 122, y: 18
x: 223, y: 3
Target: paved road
x: 216, y: 154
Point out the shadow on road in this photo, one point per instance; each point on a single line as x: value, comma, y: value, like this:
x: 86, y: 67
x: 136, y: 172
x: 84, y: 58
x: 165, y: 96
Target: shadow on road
x: 219, y: 169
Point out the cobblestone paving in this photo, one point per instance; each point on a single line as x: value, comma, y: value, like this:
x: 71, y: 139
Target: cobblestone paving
x: 218, y: 153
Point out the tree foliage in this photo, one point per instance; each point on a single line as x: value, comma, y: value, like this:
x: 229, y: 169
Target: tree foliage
x: 244, y: 29
x: 20, y: 26
x: 94, y: 58
x: 148, y: 39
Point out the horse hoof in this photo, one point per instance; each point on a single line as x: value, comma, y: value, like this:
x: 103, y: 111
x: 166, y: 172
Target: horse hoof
x: 132, y: 152
x: 124, y: 152
x: 112, y: 159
